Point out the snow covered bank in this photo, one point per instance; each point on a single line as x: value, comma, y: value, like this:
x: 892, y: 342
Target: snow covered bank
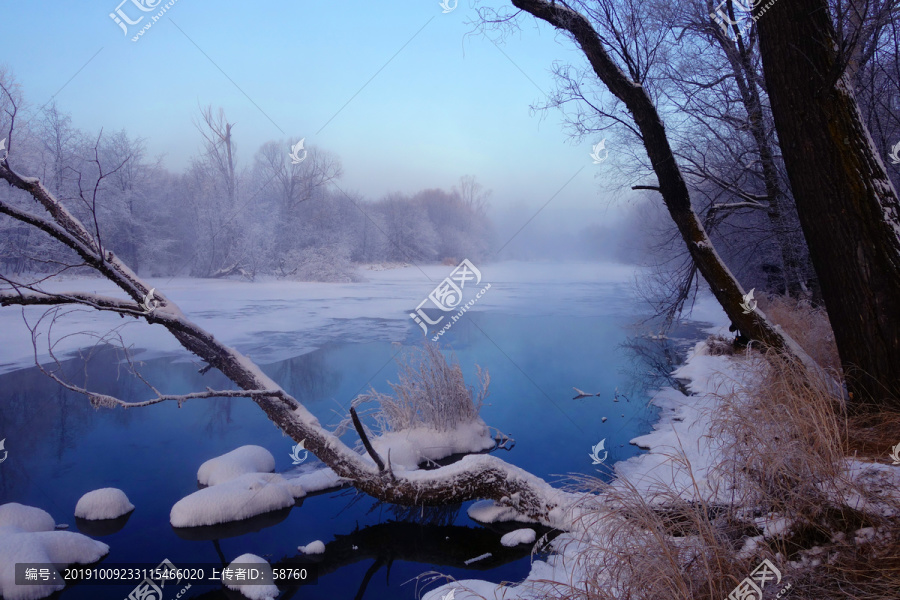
x: 27, y: 536
x: 678, y: 447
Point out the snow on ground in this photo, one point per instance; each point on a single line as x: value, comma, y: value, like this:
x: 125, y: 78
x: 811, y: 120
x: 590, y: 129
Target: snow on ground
x: 240, y: 461
x: 316, y: 547
x: 273, y: 320
x: 243, y: 497
x: 254, y: 591
x: 27, y: 536
x: 105, y: 503
x: 680, y: 453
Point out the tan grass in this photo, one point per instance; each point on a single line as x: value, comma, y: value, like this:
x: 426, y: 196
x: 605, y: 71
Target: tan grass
x: 785, y: 444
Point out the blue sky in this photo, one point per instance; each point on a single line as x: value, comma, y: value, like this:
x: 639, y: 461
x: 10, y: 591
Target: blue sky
x: 447, y: 104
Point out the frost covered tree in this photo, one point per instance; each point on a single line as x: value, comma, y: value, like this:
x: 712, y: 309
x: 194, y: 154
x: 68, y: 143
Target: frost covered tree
x: 848, y: 206
x: 619, y: 50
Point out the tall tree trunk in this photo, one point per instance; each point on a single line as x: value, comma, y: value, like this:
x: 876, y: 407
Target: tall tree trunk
x: 672, y: 186
x: 848, y: 208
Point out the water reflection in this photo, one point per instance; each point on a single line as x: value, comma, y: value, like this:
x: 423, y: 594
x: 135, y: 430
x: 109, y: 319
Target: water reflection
x: 60, y: 448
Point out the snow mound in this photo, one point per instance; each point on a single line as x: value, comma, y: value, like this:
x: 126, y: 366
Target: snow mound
x: 25, y: 518
x: 488, y: 511
x: 26, y: 536
x: 316, y: 547
x: 240, y: 461
x: 315, y: 480
x: 411, y: 447
x: 265, y: 591
x: 519, y: 536
x: 242, y: 497
x: 105, y: 503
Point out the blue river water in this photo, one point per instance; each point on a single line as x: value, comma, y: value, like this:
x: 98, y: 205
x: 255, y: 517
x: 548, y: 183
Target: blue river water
x: 61, y: 448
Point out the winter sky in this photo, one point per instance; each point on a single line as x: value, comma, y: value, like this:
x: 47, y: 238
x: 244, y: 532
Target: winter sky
x: 438, y: 103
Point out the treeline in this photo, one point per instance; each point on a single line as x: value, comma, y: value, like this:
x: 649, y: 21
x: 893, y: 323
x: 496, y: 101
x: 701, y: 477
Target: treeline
x: 280, y: 214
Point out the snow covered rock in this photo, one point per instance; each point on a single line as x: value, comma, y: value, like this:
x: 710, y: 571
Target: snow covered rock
x: 26, y: 518
x: 240, y: 461
x: 27, y: 536
x: 316, y: 547
x: 519, y: 536
x: 105, y: 503
x: 242, y: 497
x: 265, y: 591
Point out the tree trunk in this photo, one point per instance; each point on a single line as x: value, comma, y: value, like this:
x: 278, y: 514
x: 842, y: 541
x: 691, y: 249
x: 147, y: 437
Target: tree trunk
x: 672, y: 186
x: 848, y: 208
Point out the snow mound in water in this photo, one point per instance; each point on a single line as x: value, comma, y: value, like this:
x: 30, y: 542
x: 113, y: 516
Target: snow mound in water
x: 266, y: 591
x: 105, y: 503
x: 243, y: 497
x: 240, y: 461
x: 519, y: 536
x: 26, y: 518
x: 316, y: 547
x: 27, y: 536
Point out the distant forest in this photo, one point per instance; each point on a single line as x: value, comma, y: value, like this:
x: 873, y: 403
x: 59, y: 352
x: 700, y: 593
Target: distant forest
x: 283, y: 215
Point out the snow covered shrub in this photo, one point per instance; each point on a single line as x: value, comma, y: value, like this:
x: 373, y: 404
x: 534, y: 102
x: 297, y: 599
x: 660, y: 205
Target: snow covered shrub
x: 330, y: 264
x: 431, y: 393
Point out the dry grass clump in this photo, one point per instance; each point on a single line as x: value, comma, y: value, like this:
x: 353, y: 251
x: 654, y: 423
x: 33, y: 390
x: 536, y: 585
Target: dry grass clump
x: 786, y: 440
x: 660, y: 548
x: 807, y: 325
x: 432, y: 393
